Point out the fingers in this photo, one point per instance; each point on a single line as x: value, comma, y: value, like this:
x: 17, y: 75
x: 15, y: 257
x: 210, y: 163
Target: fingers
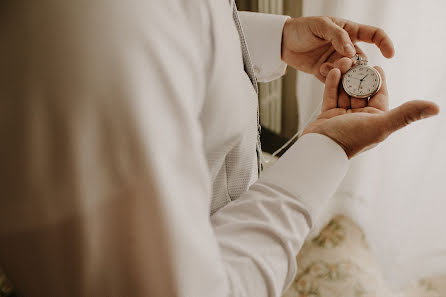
x: 381, y: 99
x: 338, y: 37
x: 344, y: 99
x: 358, y: 103
x: 331, y: 90
x: 371, y: 34
x: 408, y: 113
x: 342, y: 33
x: 342, y: 64
x: 338, y: 61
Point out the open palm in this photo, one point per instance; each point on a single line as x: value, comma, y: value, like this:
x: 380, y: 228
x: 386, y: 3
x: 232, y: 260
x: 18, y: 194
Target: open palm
x: 359, y: 124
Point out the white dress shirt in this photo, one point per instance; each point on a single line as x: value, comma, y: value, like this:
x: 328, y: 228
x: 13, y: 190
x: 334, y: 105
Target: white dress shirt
x: 123, y: 125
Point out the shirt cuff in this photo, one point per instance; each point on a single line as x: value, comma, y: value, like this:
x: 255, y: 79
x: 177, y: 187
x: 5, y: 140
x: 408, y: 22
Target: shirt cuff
x: 263, y: 34
x: 311, y: 170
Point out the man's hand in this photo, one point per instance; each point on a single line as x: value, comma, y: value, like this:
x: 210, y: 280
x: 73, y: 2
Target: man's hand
x: 318, y: 44
x: 357, y: 125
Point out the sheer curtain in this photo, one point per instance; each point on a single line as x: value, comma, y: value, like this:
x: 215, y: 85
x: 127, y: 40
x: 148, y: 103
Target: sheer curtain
x: 397, y: 192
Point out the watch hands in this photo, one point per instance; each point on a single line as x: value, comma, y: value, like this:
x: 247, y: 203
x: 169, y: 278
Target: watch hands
x: 364, y: 77
x: 361, y: 80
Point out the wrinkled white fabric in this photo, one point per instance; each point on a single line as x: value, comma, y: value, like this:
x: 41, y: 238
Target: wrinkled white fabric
x: 110, y: 111
x: 256, y: 26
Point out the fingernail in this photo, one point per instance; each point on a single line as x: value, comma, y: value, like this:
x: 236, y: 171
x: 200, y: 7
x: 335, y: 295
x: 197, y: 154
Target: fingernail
x: 349, y: 49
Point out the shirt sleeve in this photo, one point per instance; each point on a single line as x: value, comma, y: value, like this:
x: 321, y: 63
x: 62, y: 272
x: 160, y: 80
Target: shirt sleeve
x: 263, y: 33
x: 105, y: 185
x: 261, y: 233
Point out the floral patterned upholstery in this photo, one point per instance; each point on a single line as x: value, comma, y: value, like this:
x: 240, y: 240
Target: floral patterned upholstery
x: 336, y: 263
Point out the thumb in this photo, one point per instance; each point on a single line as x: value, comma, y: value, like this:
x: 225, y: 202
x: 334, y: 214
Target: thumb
x: 408, y: 113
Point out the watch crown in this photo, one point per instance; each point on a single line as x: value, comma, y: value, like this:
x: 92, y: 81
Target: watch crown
x: 360, y: 60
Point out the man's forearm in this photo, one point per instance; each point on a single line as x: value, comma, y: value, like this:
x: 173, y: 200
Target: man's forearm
x: 261, y: 233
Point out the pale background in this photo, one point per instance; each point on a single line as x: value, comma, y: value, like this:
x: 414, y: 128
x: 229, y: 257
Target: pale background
x: 396, y: 192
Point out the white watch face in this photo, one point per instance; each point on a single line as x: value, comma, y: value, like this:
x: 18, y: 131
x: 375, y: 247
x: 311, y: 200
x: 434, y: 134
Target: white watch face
x: 361, y: 81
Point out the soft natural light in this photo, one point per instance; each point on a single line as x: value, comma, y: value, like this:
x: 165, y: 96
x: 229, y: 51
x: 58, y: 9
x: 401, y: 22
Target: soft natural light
x: 396, y: 192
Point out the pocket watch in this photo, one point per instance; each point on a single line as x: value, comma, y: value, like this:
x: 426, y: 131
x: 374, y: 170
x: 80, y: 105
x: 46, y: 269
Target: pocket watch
x: 361, y: 81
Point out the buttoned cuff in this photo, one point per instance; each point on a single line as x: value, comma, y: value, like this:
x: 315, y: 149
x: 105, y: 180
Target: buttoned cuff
x: 263, y: 34
x: 311, y: 170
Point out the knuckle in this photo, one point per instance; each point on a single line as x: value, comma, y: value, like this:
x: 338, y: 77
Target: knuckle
x: 403, y: 120
x: 379, y: 33
x: 325, y: 20
x: 319, y: 25
x: 410, y: 118
x: 340, y: 33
